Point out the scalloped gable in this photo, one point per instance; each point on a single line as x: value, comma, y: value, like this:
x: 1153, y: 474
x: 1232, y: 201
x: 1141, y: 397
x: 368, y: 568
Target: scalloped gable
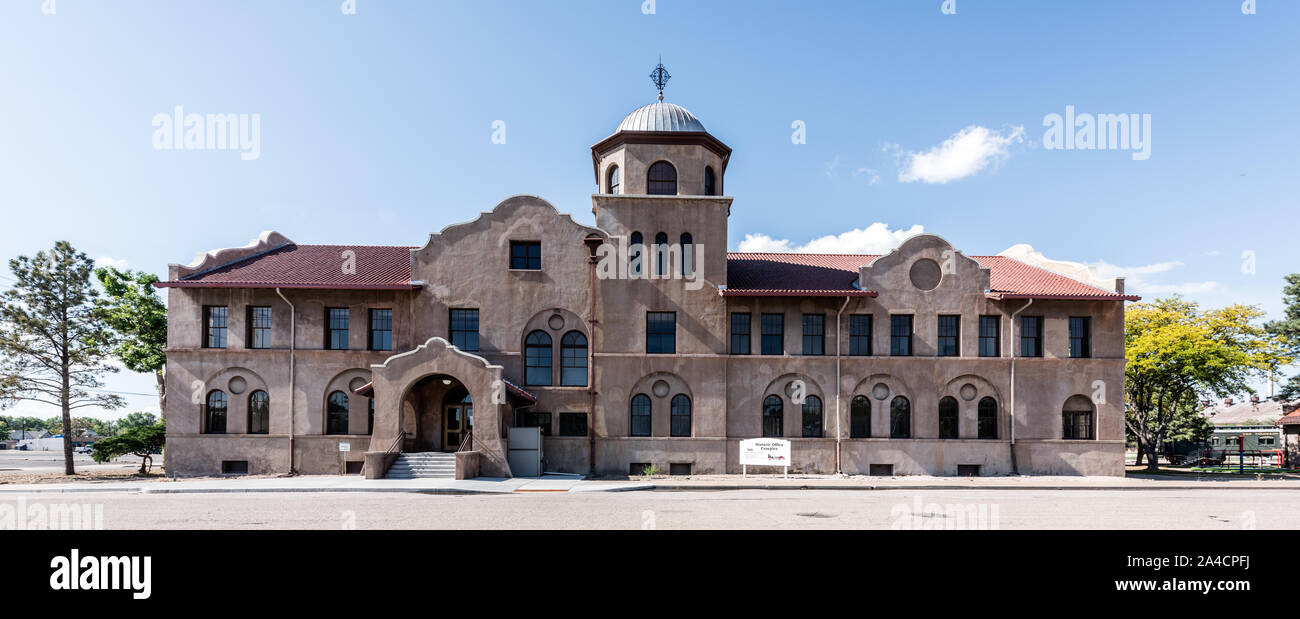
x: 217, y: 258
x: 504, y: 212
x: 925, y: 245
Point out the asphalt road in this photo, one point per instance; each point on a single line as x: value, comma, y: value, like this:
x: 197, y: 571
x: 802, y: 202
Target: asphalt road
x: 13, y: 461
x: 735, y: 509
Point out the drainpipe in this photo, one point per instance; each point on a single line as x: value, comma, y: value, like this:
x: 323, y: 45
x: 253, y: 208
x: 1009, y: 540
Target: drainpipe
x: 293, y: 340
x: 838, y: 469
x: 592, y: 321
x: 1011, y: 329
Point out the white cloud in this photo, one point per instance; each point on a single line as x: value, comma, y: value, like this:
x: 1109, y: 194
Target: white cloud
x: 873, y: 177
x: 877, y: 238
x: 965, y: 153
x: 1142, y: 280
x: 107, y: 261
x: 833, y: 166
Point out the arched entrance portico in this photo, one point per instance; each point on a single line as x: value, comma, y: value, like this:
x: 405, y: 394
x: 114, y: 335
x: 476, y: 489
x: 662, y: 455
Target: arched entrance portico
x: 437, y: 414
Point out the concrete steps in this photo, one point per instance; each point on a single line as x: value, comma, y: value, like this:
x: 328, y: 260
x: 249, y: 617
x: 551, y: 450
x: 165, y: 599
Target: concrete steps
x: 428, y: 465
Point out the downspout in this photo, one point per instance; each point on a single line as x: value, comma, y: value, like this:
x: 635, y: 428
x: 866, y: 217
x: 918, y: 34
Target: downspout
x: 838, y: 468
x: 293, y: 340
x: 1011, y: 329
x: 591, y: 360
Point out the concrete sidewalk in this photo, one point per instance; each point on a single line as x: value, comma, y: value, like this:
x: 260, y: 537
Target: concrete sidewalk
x: 562, y: 483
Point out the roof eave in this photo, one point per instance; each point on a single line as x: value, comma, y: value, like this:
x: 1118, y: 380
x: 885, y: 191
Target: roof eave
x: 731, y: 292
x: 1060, y: 297
x: 297, y: 286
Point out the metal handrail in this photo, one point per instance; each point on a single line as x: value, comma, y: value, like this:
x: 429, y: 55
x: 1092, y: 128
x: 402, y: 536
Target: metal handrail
x: 467, y: 443
x: 397, y: 442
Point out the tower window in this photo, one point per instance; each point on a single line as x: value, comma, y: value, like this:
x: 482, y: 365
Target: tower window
x: 614, y: 183
x: 662, y: 179
x: 710, y: 182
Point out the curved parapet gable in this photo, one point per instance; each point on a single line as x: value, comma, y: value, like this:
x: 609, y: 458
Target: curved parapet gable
x: 925, y: 263
x: 216, y: 258
x: 504, y: 213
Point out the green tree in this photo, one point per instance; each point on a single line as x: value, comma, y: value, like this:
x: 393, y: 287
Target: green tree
x: 5, y: 429
x: 1288, y: 328
x: 131, y: 307
x: 1174, y: 351
x: 136, y: 420
x: 53, y: 348
x: 142, y: 442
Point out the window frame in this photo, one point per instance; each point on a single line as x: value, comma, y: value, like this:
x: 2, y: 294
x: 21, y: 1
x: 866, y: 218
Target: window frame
x: 259, y: 337
x: 209, y: 415
x: 986, y: 420
x: 1083, y: 338
x: 949, y: 418
x: 566, y: 366
x: 748, y: 337
x: 530, y: 368
x: 634, y: 412
x: 660, y: 186
x: 859, y: 337
x: 332, y: 414
x: 994, y: 340
x: 678, y: 419
x: 1036, y: 340
x: 807, y: 412
x: 778, y: 337
x: 710, y: 181
x: 613, y: 180
x: 865, y: 416
x: 457, y: 336
x: 654, y: 320
x: 772, y: 403
x: 898, y: 342
x: 265, y: 427
x: 374, y: 314
x: 527, y: 260
x: 567, y: 424
x: 894, y: 412
x: 214, y: 336
x: 331, y: 331
x: 814, y: 344
x: 948, y: 333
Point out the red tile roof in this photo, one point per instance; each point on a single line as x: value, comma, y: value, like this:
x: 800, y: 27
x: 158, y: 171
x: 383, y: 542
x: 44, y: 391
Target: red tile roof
x: 310, y: 266
x: 773, y: 274
x: 1291, y: 418
x: 748, y: 274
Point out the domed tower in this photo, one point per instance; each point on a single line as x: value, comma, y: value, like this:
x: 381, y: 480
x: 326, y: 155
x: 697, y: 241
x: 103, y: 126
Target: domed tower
x: 660, y: 194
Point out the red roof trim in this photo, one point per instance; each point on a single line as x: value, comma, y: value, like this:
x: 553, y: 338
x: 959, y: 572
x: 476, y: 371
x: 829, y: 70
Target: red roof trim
x: 186, y: 284
x: 1063, y: 297
x: 796, y: 293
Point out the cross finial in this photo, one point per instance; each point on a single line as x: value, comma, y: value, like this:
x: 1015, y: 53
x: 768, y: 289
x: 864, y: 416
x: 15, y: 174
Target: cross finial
x: 660, y: 77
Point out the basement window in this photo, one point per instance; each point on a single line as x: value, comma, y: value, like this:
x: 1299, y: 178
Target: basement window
x: 637, y: 468
x: 881, y: 470
x: 679, y: 468
x: 234, y: 467
x: 968, y: 470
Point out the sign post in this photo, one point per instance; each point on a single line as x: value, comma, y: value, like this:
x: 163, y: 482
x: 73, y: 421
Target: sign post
x: 344, y: 447
x: 765, y: 452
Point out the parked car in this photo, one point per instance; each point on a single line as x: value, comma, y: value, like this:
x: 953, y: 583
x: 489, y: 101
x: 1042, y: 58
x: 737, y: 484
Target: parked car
x: 84, y: 449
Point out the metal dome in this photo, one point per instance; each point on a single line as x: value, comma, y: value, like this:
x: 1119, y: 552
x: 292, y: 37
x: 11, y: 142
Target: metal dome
x: 661, y: 116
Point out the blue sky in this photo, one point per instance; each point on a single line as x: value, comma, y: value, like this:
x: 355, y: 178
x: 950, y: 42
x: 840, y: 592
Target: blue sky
x: 376, y: 127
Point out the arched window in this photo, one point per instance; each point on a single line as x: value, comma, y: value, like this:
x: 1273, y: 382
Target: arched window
x: 259, y: 412
x: 1077, y: 417
x: 681, y: 415
x: 336, y: 413
x: 661, y: 253
x: 948, y: 417
x: 988, y: 418
x: 688, y: 254
x: 537, y: 359
x: 710, y: 183
x: 900, y: 418
x: 662, y: 179
x: 860, y: 417
x: 215, y: 415
x: 614, y: 183
x: 641, y: 415
x: 812, y: 417
x: 573, y: 359
x: 636, y: 254
x: 773, y: 413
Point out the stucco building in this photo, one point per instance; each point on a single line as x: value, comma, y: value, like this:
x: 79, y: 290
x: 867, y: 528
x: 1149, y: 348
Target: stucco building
x: 640, y: 340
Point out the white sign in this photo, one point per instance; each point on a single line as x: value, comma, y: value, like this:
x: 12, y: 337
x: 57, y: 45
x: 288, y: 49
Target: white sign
x: 765, y: 452
x: 345, y: 446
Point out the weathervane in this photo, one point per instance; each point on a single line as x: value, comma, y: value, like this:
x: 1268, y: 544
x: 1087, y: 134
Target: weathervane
x: 660, y: 77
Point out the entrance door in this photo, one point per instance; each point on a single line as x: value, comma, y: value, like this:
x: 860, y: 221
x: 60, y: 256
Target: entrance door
x: 458, y: 422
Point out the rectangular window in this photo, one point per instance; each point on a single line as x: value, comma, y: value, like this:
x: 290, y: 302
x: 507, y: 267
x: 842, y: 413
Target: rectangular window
x: 464, y: 329
x: 381, y: 329
x: 336, y: 328
x: 661, y: 333
x: 1031, y: 336
x: 259, y: 327
x: 526, y: 255
x: 740, y: 325
x: 1078, y: 426
x: 814, y: 334
x: 573, y: 424
x: 900, y: 336
x: 860, y: 335
x: 214, y: 322
x: 773, y: 327
x: 1080, y: 337
x: 990, y: 336
x: 679, y: 468
x: 949, y: 344
x: 529, y: 419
